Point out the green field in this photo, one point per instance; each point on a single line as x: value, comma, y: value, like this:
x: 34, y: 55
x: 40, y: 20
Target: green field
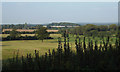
x: 28, y: 46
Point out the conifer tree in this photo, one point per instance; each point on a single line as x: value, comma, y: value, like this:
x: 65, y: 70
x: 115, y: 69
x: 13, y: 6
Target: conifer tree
x: 91, y: 46
x: 116, y: 43
x: 84, y: 45
x: 100, y: 47
x: 96, y: 48
x: 76, y: 45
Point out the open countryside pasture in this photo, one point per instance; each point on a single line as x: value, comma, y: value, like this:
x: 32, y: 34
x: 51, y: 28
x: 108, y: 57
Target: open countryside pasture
x: 26, y: 46
x: 29, y: 46
x: 47, y: 37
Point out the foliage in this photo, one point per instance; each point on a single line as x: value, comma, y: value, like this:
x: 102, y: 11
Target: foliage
x: 94, y: 30
x: 20, y: 26
x: 36, y: 26
x: 63, y: 24
x: 8, y: 32
x: 42, y: 33
x: 9, y: 38
x: 14, y: 34
x: 86, y: 30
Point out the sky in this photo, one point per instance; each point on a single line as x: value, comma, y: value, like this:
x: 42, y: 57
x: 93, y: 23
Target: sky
x: 59, y: 0
x: 47, y: 12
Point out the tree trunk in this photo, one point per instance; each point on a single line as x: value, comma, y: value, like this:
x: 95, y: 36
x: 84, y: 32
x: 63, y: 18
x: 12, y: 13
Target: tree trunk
x: 42, y: 40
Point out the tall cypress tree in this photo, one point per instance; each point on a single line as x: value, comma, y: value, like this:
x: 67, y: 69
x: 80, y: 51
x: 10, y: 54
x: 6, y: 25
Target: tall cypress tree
x: 91, y: 46
x: 84, y: 45
x: 96, y: 47
x: 100, y: 47
x: 116, y: 43
x: 76, y: 45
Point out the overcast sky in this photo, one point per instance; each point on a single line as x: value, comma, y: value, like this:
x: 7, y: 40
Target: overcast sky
x: 47, y: 12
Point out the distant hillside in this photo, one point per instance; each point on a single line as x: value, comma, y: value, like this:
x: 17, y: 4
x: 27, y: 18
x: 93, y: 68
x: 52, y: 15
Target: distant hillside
x: 63, y: 24
x: 98, y: 23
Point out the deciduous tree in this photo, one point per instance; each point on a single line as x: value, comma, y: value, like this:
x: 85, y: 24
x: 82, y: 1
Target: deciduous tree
x: 42, y: 33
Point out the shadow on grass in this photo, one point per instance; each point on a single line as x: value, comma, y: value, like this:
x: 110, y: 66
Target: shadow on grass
x: 4, y: 45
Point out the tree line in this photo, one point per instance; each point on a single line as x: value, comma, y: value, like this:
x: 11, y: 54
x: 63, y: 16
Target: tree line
x: 21, y: 26
x: 93, y: 30
x: 40, y: 34
x: 8, y: 32
x: 37, y: 26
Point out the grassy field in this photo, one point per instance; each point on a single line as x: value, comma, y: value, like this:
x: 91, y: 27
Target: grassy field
x: 28, y: 46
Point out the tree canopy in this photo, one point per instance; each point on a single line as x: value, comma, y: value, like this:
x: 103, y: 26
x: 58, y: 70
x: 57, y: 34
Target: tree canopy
x: 41, y: 33
x: 14, y: 34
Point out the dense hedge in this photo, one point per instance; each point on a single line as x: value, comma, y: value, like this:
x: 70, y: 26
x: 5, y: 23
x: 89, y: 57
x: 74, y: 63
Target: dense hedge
x: 8, y: 38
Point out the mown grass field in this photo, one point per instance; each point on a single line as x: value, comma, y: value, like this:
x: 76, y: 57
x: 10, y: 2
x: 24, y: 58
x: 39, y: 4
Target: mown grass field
x: 28, y: 46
